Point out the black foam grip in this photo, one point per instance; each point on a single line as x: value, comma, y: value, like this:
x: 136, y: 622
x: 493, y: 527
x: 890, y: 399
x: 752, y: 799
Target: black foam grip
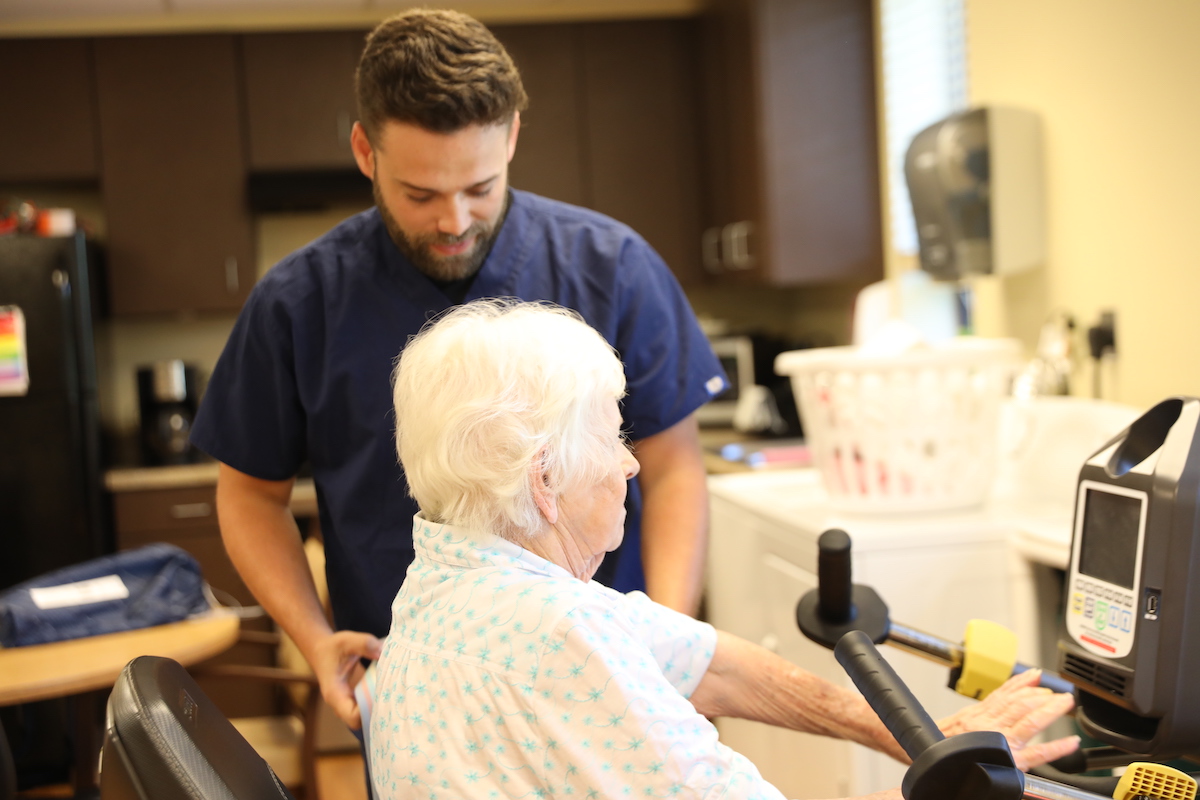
x: 834, y: 587
x: 887, y: 694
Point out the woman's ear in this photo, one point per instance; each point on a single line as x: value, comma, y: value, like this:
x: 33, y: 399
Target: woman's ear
x: 543, y: 494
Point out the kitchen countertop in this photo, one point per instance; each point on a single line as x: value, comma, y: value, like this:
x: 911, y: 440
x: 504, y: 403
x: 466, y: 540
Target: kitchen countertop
x: 186, y: 476
x: 304, y: 495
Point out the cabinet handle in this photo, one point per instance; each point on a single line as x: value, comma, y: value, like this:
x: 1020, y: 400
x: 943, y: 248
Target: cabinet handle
x: 191, y: 510
x: 231, y: 275
x: 710, y: 250
x: 736, y: 239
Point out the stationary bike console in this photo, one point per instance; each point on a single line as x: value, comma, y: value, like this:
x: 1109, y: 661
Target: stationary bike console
x: 1132, y: 631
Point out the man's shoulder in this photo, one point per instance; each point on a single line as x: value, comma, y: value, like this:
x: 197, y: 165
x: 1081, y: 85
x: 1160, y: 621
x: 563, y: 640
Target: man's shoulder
x: 545, y: 212
x: 576, y: 241
x: 351, y: 241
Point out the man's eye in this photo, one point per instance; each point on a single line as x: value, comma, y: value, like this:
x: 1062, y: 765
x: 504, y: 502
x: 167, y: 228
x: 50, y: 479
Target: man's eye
x: 419, y: 199
x: 477, y: 192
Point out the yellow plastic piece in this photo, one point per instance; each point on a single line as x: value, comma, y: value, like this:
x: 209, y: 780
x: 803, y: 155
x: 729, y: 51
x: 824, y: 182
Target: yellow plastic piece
x: 1155, y: 780
x: 989, y: 655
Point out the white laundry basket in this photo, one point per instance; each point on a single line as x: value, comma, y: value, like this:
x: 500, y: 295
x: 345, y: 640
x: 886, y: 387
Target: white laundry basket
x: 914, y: 431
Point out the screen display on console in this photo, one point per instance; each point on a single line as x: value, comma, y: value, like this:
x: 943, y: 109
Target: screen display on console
x: 1108, y: 545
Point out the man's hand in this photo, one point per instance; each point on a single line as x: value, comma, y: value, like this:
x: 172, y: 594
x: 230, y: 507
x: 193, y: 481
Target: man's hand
x: 1020, y: 709
x: 336, y: 664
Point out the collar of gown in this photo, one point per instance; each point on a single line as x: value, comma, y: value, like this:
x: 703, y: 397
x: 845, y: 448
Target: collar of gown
x: 467, y: 549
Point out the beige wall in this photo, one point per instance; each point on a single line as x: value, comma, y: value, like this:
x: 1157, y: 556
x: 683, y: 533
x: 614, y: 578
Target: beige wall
x: 1117, y: 83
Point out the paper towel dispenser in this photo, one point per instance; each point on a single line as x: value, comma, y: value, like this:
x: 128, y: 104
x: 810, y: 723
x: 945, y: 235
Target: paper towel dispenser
x: 977, y: 188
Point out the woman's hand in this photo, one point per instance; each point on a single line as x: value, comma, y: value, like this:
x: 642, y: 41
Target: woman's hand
x: 1019, y: 709
x: 336, y: 662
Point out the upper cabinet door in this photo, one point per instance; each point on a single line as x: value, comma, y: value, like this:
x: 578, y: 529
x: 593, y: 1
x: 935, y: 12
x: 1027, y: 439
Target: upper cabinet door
x: 643, y: 133
x: 300, y: 99
x: 180, y: 237
x: 613, y: 125
x: 549, y: 159
x: 793, y: 141
x: 47, y: 118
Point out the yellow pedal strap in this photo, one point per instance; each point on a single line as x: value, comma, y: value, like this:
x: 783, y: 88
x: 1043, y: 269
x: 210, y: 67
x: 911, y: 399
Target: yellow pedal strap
x: 1143, y: 778
x: 989, y: 655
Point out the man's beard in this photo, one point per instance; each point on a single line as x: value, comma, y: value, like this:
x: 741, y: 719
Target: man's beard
x: 418, y: 250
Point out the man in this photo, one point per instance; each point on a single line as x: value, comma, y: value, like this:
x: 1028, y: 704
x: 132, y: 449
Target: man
x: 305, y: 375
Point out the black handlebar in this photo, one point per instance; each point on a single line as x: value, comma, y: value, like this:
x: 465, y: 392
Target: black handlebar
x: 897, y: 707
x: 835, y: 602
x: 969, y: 766
x: 838, y: 605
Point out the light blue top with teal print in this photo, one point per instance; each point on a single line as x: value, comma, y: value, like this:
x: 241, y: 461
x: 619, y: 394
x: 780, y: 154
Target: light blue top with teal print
x: 504, y: 676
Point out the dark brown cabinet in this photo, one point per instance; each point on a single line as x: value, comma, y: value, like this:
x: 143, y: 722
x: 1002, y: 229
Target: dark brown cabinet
x: 613, y: 125
x: 180, y: 237
x: 300, y: 102
x: 47, y: 117
x: 187, y: 518
x: 191, y: 127
x: 792, y: 147
x: 643, y: 133
x: 549, y: 160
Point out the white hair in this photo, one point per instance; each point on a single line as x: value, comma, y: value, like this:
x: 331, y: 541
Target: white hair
x: 487, y: 388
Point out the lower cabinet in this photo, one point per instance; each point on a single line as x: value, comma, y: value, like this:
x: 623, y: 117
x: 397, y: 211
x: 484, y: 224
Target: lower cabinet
x: 187, y: 518
x: 935, y: 573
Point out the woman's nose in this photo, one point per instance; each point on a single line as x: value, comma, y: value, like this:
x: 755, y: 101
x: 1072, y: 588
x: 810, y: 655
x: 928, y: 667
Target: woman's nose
x: 630, y: 465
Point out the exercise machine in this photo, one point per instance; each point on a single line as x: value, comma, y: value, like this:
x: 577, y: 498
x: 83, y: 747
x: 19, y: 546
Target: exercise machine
x: 1129, y: 642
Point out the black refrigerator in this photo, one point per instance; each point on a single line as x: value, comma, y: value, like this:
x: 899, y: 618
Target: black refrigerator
x: 51, y: 494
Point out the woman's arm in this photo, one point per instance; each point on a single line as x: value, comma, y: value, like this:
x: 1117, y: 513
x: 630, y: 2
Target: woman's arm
x: 750, y: 682
x: 747, y: 681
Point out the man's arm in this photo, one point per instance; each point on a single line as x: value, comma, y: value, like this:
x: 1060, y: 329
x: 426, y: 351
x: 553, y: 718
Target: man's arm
x: 750, y: 682
x: 263, y: 542
x: 674, y: 515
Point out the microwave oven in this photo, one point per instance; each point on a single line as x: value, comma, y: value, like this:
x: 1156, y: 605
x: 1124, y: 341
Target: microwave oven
x: 736, y: 354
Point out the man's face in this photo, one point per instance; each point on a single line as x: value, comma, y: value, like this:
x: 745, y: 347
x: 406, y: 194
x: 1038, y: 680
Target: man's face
x: 441, y: 195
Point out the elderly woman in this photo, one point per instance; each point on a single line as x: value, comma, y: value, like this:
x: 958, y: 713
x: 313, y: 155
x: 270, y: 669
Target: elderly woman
x: 507, y: 673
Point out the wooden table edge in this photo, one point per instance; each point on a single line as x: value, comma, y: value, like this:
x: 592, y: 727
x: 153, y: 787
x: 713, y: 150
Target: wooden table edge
x: 59, y: 669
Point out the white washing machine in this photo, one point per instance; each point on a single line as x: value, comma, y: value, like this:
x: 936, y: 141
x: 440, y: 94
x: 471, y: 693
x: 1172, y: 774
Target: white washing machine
x: 935, y: 571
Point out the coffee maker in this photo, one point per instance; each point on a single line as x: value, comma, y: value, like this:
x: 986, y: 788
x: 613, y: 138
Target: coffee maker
x: 167, y: 404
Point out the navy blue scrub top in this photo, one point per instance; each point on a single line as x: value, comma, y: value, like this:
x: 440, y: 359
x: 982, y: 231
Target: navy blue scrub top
x: 306, y: 373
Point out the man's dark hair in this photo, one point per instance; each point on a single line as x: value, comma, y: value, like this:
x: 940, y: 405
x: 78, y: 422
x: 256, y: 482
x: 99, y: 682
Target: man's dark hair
x: 439, y: 70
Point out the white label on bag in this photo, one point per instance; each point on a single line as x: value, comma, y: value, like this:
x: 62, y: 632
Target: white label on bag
x: 94, y: 590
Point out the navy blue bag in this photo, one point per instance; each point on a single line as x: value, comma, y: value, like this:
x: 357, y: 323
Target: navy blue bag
x: 151, y: 585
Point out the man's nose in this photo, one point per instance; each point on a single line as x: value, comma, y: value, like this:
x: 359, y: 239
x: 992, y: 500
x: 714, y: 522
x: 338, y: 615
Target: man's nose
x: 455, y: 217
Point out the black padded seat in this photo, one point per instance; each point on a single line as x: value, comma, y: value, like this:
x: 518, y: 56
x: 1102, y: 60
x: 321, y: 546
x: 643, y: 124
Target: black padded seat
x: 165, y: 740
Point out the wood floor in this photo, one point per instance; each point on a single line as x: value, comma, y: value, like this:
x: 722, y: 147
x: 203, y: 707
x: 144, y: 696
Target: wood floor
x: 341, y: 777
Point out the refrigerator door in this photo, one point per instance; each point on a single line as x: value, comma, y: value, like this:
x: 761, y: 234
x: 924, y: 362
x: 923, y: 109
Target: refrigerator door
x: 50, y: 500
x: 36, y: 277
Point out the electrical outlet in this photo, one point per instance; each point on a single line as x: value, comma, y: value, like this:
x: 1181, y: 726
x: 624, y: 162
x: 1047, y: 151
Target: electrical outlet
x: 1102, y: 337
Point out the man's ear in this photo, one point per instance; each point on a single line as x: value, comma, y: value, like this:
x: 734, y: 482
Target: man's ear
x: 514, y: 128
x: 543, y: 493
x: 360, y: 145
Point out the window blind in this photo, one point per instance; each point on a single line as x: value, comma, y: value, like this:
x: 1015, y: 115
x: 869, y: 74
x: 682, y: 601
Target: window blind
x: 924, y: 80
